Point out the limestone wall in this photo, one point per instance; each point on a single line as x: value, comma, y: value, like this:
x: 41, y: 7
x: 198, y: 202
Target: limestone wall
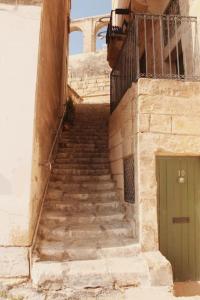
x: 89, y: 76
x: 50, y: 97
x: 121, y: 145
x: 168, y: 123
x: 155, y: 117
x: 31, y: 100
x: 19, y: 40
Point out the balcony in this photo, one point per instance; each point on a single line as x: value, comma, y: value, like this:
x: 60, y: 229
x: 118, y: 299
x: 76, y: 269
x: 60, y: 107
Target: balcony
x: 158, y: 47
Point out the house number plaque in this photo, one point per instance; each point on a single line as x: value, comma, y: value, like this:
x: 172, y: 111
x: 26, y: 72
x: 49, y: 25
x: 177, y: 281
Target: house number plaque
x: 181, y: 220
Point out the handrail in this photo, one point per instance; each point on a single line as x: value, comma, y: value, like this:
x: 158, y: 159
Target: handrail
x: 49, y: 161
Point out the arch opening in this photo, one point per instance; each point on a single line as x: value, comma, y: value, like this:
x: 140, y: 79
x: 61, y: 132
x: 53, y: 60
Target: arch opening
x: 76, y: 41
x: 101, y: 37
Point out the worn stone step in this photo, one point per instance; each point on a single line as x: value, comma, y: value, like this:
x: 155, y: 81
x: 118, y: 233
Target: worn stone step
x: 81, y: 154
x: 89, y: 195
x: 57, y: 216
x: 86, y: 144
x: 81, y: 166
x: 78, y: 231
x: 85, y: 147
x: 85, y: 171
x: 80, y: 160
x: 90, y: 206
x: 82, y: 126
x: 80, y: 178
x: 105, y: 273
x: 84, y: 133
x: 80, y: 194
x: 71, y: 150
x: 92, y: 134
x: 90, y: 186
x: 84, y: 137
x: 90, y: 249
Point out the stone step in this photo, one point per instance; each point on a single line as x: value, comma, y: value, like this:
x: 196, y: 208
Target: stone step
x: 79, y: 178
x: 90, y: 186
x: 52, y: 232
x: 89, y: 195
x: 90, y: 249
x: 105, y: 273
x: 56, y: 216
x: 80, y: 160
x: 84, y: 195
x: 81, y: 154
x: 81, y: 166
x: 86, y: 171
x: 82, y: 147
x: 85, y: 133
x: 82, y: 126
x: 89, y: 133
x: 71, y: 150
x: 90, y: 207
x: 86, y: 144
x: 87, y: 136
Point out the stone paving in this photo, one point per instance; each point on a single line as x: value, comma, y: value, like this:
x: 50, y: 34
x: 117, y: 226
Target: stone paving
x: 26, y: 292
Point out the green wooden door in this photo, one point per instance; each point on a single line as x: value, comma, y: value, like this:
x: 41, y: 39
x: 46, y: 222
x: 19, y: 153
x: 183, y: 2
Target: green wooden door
x: 179, y: 214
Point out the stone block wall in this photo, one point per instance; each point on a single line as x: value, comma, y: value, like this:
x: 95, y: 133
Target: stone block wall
x: 155, y: 117
x: 89, y: 76
x: 121, y: 144
x: 167, y: 123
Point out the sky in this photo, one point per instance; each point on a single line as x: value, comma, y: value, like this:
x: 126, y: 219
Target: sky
x: 86, y: 8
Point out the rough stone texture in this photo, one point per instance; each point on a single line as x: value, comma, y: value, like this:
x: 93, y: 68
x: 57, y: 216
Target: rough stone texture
x: 82, y: 201
x: 50, y: 96
x: 89, y: 76
x: 121, y: 145
x: 14, y: 262
x: 159, y: 268
x: 175, y: 105
x: 165, y: 121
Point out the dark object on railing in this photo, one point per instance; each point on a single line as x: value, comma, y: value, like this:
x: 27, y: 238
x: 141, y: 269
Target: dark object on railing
x: 116, y: 31
x: 122, y: 11
x: 156, y: 47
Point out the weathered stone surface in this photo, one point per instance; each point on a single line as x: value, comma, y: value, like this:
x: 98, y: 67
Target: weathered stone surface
x: 14, y: 262
x: 160, y: 123
x: 189, y: 125
x: 89, y: 76
x: 143, y: 122
x: 174, y: 130
x: 159, y: 268
x: 88, y: 208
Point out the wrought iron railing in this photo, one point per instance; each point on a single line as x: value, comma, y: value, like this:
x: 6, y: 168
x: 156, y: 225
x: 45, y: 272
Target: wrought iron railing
x: 156, y: 46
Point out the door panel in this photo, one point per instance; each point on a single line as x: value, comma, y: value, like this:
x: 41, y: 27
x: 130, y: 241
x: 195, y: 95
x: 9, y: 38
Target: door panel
x: 178, y: 212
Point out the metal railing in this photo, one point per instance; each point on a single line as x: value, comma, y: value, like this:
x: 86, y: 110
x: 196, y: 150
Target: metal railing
x: 156, y: 46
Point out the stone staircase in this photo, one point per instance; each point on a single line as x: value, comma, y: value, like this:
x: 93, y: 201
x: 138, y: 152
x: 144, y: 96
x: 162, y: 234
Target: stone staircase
x: 84, y: 239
